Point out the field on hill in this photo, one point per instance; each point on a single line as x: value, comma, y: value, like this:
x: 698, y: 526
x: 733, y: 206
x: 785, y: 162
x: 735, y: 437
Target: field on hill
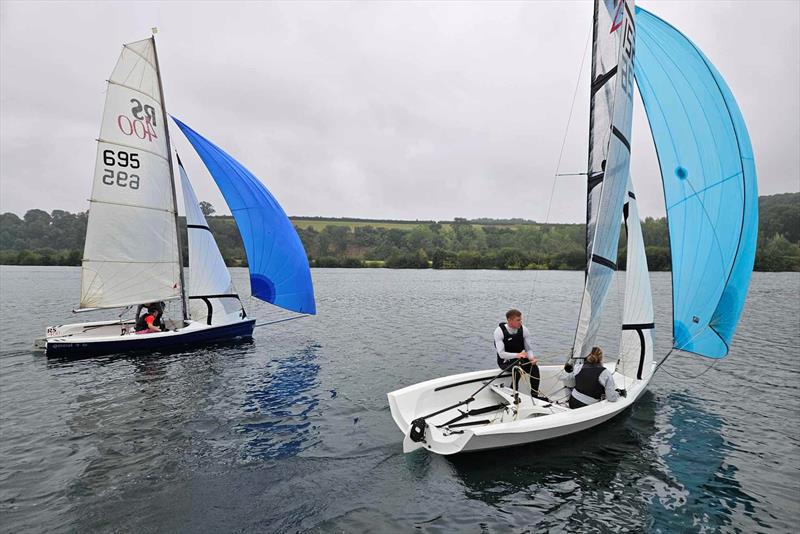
x: 320, y: 224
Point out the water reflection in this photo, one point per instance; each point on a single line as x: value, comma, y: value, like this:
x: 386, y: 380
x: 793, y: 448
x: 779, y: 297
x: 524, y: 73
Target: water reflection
x: 585, y: 478
x: 142, y: 355
x: 710, y: 496
x: 137, y: 423
x: 278, y: 405
x: 134, y: 411
x: 597, y: 451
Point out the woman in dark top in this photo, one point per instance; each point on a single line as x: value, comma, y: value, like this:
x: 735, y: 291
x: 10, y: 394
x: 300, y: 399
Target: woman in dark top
x: 591, y: 381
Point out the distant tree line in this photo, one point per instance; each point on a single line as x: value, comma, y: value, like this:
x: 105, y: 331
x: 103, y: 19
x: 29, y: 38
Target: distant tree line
x: 41, y: 238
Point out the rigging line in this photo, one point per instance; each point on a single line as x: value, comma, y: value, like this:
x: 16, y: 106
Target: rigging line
x: 282, y: 320
x: 673, y: 349
x: 707, y: 369
x: 664, y: 359
x: 560, y: 156
x: 621, y: 296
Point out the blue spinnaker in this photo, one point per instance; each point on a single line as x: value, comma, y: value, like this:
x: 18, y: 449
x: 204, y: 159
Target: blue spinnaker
x: 279, y: 272
x: 710, y: 188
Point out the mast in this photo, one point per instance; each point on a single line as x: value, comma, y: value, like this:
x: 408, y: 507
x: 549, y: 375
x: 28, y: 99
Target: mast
x: 172, y: 182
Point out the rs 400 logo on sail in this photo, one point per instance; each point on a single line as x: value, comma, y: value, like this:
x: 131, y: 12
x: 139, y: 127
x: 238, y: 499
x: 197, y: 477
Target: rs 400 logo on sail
x: 143, y: 122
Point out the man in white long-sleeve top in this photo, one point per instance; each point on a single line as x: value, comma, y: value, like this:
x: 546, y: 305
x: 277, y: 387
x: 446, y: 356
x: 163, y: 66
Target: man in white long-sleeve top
x: 591, y: 381
x: 512, y: 342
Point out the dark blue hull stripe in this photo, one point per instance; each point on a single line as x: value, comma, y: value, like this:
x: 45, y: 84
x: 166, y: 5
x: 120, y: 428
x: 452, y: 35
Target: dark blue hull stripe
x: 153, y: 342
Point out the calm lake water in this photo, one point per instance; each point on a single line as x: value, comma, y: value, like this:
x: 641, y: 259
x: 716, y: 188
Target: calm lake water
x: 292, y: 432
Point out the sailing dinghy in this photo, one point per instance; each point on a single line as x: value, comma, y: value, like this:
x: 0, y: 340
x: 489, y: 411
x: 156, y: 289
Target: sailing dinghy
x: 132, y: 254
x: 711, y: 196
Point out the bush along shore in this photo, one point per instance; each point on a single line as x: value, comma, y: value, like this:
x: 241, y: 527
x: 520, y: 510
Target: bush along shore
x: 41, y: 238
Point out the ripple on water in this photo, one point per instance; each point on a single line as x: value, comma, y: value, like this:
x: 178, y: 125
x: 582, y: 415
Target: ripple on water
x: 292, y: 432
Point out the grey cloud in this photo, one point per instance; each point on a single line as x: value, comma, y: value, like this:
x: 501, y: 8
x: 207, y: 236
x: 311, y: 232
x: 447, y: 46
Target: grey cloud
x: 400, y: 110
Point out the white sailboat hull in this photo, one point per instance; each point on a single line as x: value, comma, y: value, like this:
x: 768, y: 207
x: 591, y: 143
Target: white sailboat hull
x: 534, y: 420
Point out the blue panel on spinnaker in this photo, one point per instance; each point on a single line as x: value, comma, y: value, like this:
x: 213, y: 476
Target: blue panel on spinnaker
x: 710, y: 186
x: 278, y: 264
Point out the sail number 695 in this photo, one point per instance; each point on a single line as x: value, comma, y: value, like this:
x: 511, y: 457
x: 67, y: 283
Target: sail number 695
x: 121, y: 178
x: 121, y: 158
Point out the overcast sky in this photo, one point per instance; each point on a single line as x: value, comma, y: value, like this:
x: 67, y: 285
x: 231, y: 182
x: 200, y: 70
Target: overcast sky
x: 377, y: 110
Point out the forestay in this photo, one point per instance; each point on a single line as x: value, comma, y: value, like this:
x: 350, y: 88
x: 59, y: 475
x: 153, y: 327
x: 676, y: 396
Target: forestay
x: 603, y: 254
x: 709, y: 179
x: 211, y: 292
x: 279, y: 272
x: 131, y: 253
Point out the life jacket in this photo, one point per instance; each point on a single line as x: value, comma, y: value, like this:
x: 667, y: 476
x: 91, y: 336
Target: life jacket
x: 587, y: 381
x: 514, y: 343
x: 141, y: 322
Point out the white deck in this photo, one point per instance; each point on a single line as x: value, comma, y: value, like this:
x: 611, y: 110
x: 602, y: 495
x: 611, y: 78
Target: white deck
x: 116, y: 330
x: 529, y: 421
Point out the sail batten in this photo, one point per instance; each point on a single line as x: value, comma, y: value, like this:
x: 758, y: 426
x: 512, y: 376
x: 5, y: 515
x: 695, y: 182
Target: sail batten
x: 709, y: 179
x: 106, y: 202
x: 134, y: 51
x: 135, y: 90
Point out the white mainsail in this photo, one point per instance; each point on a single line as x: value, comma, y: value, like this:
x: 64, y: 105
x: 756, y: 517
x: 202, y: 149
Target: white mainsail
x: 209, y: 278
x: 605, y: 57
x: 638, y: 322
x: 131, y: 254
x: 603, y: 252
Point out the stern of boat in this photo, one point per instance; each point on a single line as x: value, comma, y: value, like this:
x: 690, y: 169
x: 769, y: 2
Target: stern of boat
x: 410, y: 402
